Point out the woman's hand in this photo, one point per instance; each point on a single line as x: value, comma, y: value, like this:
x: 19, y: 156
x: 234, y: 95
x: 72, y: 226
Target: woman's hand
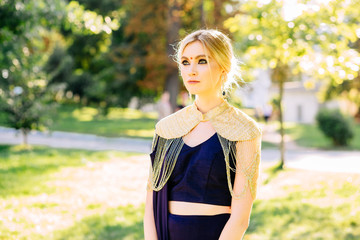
x: 149, y: 221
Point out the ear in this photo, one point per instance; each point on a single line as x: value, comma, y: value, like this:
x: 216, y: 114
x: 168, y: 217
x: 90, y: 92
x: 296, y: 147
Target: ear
x: 222, y: 78
x: 223, y: 75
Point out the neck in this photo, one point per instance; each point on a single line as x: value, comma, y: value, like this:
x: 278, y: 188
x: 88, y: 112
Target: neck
x: 206, y: 103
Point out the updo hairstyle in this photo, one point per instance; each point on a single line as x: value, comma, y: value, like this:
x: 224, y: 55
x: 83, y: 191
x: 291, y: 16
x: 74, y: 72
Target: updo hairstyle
x: 220, y: 48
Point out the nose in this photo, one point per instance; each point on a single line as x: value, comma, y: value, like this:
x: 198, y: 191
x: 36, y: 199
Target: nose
x: 193, y: 71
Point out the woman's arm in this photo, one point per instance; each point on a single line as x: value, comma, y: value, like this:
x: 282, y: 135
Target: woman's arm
x: 240, y: 213
x: 244, y: 190
x: 149, y: 222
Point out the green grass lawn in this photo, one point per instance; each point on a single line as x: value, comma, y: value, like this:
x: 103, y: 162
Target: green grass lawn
x: 24, y: 172
x: 292, y: 204
x: 307, y: 205
x: 118, y: 123
x: 267, y: 145
x: 33, y: 196
x: 308, y: 135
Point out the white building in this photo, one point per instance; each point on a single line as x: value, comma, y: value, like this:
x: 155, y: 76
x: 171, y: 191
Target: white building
x: 300, y: 104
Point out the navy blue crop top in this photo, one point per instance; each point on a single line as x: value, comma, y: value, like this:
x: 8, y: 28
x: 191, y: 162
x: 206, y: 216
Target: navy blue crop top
x: 200, y: 176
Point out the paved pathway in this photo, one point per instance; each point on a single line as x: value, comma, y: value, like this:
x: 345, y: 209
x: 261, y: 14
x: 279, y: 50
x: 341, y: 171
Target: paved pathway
x: 75, y: 140
x: 296, y: 157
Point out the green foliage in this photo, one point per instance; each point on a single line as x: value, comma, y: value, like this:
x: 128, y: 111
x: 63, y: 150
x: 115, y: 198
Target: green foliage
x: 86, y: 22
x: 321, y: 41
x: 88, y: 36
x: 108, y: 63
x: 107, y: 54
x: 275, y: 103
x: 335, y: 126
x: 128, y: 58
x: 59, y: 66
x: 25, y: 48
x: 25, y: 94
x: 104, y: 7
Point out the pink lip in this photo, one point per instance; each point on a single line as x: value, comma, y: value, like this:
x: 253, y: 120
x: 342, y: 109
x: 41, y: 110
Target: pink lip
x: 193, y: 81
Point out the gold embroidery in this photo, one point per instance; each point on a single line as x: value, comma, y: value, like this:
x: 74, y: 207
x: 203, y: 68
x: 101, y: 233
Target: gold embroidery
x: 239, y: 135
x: 228, y: 121
x: 246, y: 161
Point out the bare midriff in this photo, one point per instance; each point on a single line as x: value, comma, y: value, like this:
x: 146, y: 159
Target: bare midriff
x: 190, y: 208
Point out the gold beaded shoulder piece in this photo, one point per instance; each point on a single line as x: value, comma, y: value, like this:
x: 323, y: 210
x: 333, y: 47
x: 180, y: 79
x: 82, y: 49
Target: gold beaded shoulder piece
x: 234, y: 129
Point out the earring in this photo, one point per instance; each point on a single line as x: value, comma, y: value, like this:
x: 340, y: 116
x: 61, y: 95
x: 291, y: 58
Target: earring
x: 222, y: 85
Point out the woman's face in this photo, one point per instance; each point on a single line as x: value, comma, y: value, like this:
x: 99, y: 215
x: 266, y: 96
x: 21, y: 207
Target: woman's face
x: 199, y: 75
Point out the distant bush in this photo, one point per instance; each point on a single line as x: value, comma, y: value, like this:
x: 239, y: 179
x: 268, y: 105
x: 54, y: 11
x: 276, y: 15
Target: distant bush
x: 335, y: 126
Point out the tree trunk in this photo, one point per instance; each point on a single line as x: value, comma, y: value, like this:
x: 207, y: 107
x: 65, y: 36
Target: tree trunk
x: 218, y: 19
x: 282, y: 143
x: 202, y: 14
x: 173, y: 27
x: 25, y: 133
x: 357, y: 115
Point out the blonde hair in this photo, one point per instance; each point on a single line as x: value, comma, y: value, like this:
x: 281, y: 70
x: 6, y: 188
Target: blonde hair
x: 220, y: 48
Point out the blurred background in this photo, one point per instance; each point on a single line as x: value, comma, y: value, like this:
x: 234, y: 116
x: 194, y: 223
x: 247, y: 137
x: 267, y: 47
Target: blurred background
x: 83, y: 83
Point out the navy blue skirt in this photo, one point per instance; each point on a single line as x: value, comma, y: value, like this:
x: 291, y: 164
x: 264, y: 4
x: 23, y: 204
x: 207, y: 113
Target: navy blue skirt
x: 194, y: 227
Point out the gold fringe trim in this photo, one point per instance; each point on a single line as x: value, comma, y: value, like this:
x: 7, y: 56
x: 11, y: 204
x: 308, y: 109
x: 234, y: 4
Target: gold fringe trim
x: 167, y: 152
x: 245, y: 157
x: 244, y: 162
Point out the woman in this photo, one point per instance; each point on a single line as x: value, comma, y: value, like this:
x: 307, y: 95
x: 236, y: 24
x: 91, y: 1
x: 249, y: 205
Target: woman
x: 205, y: 157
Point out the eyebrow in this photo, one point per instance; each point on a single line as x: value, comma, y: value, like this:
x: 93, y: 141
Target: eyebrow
x: 199, y: 56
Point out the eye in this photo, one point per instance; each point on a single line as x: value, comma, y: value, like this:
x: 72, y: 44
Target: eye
x: 185, y: 62
x: 202, y: 61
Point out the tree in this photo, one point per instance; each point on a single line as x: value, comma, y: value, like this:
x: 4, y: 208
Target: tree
x: 289, y: 40
x: 335, y: 126
x: 24, y: 89
x: 88, y: 37
x: 173, y: 27
x: 339, y: 68
x: 264, y: 36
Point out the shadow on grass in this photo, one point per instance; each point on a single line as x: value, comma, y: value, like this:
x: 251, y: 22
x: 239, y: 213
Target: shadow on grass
x: 24, y: 180
x: 289, y: 218
x: 4, y: 151
x: 26, y: 171
x: 124, y: 223
x: 273, y: 172
x: 267, y: 145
